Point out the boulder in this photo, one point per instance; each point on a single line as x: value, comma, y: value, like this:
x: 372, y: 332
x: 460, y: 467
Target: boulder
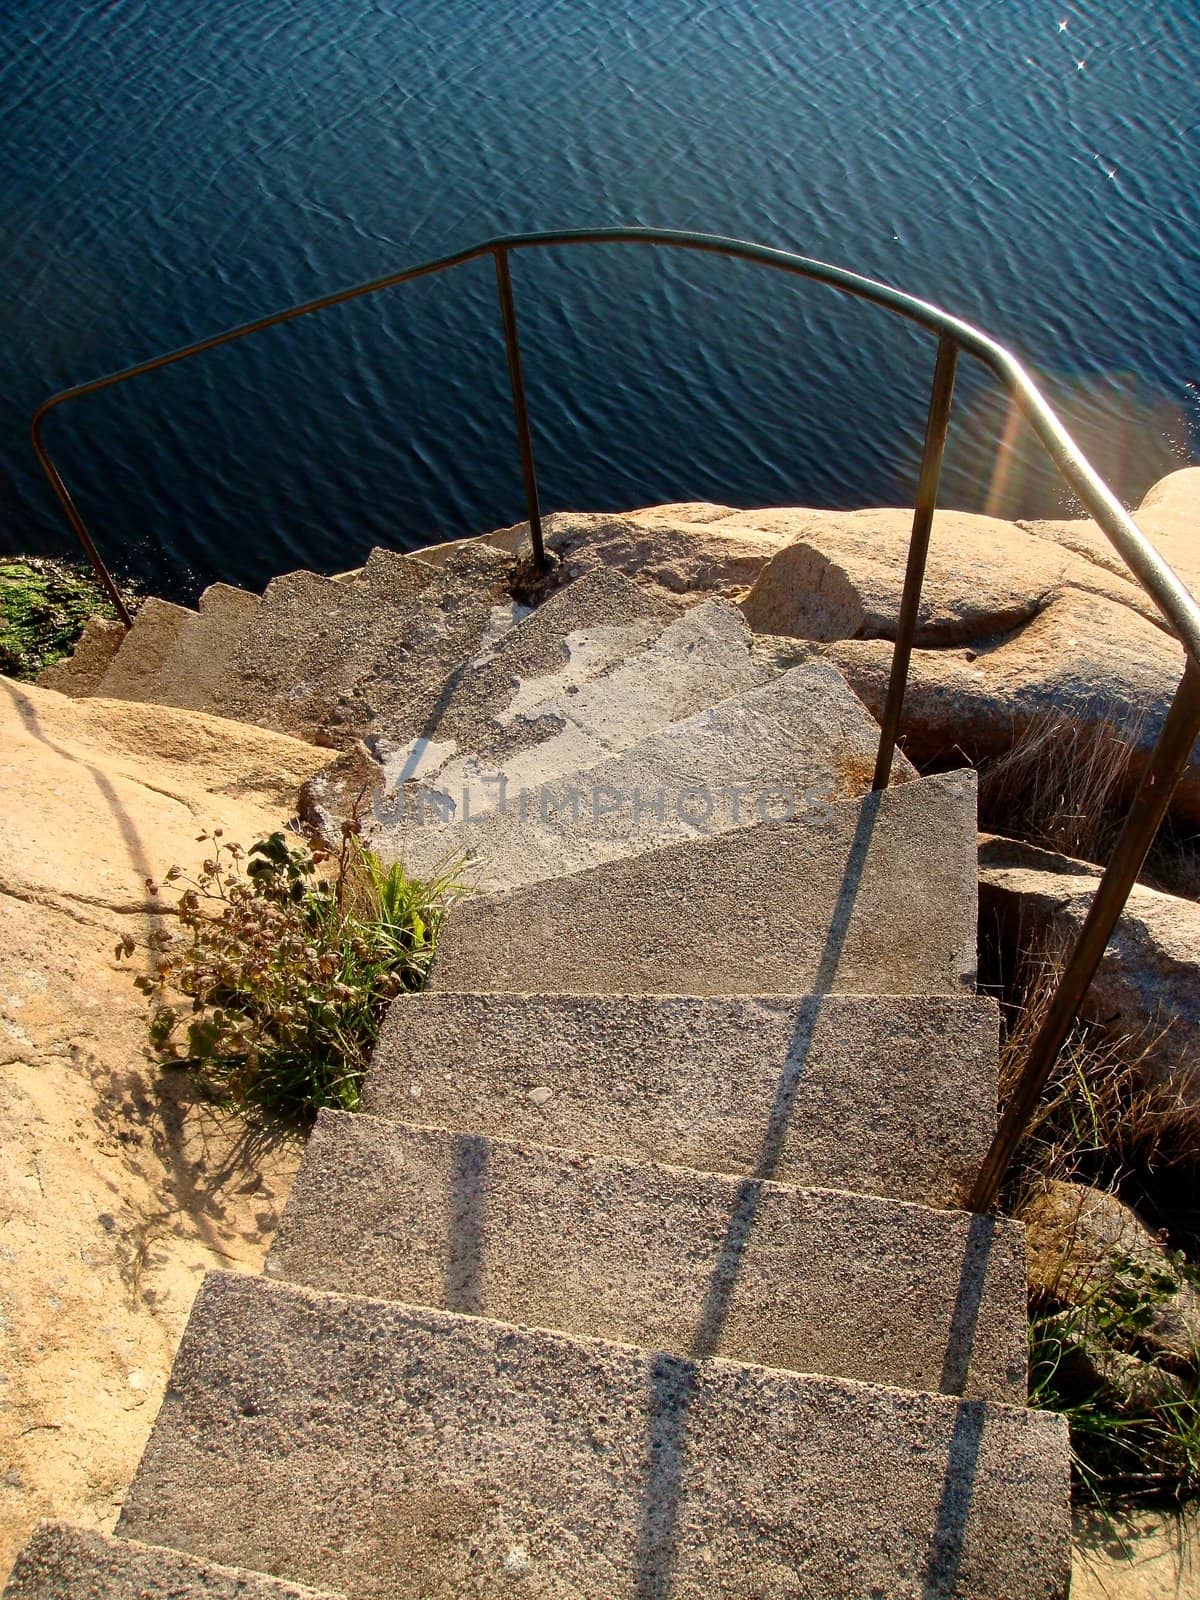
x: 1084, y: 1244
x: 1149, y: 977
x: 841, y: 576
x: 1015, y: 626
x: 117, y: 1190
x: 1083, y: 659
x: 1169, y: 516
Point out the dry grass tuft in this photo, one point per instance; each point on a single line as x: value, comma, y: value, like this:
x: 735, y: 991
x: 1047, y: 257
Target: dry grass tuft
x: 1109, y: 1121
x: 1108, y: 1117
x: 1066, y: 785
x: 1063, y: 785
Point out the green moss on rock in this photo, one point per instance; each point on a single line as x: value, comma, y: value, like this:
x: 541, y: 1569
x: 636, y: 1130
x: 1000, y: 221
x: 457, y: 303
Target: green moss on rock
x: 44, y: 605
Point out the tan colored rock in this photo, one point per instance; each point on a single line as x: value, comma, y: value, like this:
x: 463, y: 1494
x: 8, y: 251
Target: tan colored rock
x: 1083, y: 658
x: 692, y: 548
x: 1093, y: 1255
x: 1169, y: 516
x: 1079, y: 1237
x: 841, y: 576
x: 1017, y: 621
x: 1136, y: 1553
x: 1149, y: 977
x: 116, y: 1191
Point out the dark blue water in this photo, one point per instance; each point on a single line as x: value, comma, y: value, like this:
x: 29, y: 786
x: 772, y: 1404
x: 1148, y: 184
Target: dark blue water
x: 173, y: 166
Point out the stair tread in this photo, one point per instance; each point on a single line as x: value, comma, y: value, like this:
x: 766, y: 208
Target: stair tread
x: 579, y: 631
x: 392, y: 1451
x: 62, y: 1562
x: 689, y: 1262
x: 881, y: 1094
x: 871, y: 896
x: 799, y: 740
x: 556, y: 723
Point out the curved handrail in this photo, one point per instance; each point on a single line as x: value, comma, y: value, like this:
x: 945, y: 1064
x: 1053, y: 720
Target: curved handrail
x: 1178, y: 607
x: 1156, y: 577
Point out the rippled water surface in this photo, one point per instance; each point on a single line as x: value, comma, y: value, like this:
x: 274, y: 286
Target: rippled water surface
x: 170, y: 167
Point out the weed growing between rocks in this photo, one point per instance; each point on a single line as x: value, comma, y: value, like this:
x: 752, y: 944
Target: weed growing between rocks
x: 274, y: 988
x: 43, y: 607
x: 1131, y: 1398
x: 1114, y: 1326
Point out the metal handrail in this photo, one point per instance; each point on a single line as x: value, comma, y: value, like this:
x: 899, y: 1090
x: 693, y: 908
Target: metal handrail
x: 1180, y: 611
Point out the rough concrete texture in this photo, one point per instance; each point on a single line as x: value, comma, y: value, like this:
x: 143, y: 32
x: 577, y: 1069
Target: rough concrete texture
x: 798, y: 740
x: 176, y: 657
x: 65, y: 1563
x: 555, y: 724
x: 688, y: 1262
x: 875, y: 896
x: 372, y: 618
x: 461, y: 615
x: 315, y: 639
x: 579, y: 631
x: 1147, y: 986
x: 79, y: 674
x: 889, y: 1095
x: 296, y: 609
x: 389, y: 1451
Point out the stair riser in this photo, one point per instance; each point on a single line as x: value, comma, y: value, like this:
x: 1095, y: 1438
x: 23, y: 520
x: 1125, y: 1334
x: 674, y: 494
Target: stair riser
x: 686, y: 1262
x: 877, y: 897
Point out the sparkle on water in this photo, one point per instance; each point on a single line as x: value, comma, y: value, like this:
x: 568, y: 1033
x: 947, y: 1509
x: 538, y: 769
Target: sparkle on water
x: 170, y: 169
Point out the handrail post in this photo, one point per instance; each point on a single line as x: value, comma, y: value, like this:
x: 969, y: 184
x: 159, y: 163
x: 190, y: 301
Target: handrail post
x: 1167, y: 762
x: 936, y: 427
x: 78, y: 526
x: 516, y: 378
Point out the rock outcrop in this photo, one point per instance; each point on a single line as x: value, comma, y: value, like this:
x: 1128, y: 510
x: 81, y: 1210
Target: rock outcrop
x: 1017, y: 622
x: 1148, y: 983
x: 116, y: 1192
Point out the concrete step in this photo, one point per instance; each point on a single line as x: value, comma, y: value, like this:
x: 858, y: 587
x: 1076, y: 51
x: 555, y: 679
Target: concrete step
x: 372, y: 614
x: 176, y: 657
x: 876, y: 896
x: 61, y: 1562
x: 79, y: 674
x: 801, y: 739
x: 555, y: 723
x: 313, y: 638
x: 396, y: 1452
x: 575, y: 634
x: 460, y: 615
x: 888, y: 1095
x: 415, y: 652
x: 692, y: 1263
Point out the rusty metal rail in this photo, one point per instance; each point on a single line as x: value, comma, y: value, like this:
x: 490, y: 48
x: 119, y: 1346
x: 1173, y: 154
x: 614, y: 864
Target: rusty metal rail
x: 955, y: 338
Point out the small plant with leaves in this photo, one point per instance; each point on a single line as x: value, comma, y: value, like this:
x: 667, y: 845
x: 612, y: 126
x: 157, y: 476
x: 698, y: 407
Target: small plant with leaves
x: 274, y: 986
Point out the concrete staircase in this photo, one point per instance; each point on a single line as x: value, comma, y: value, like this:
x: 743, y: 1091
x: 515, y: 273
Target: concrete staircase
x: 640, y: 1275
